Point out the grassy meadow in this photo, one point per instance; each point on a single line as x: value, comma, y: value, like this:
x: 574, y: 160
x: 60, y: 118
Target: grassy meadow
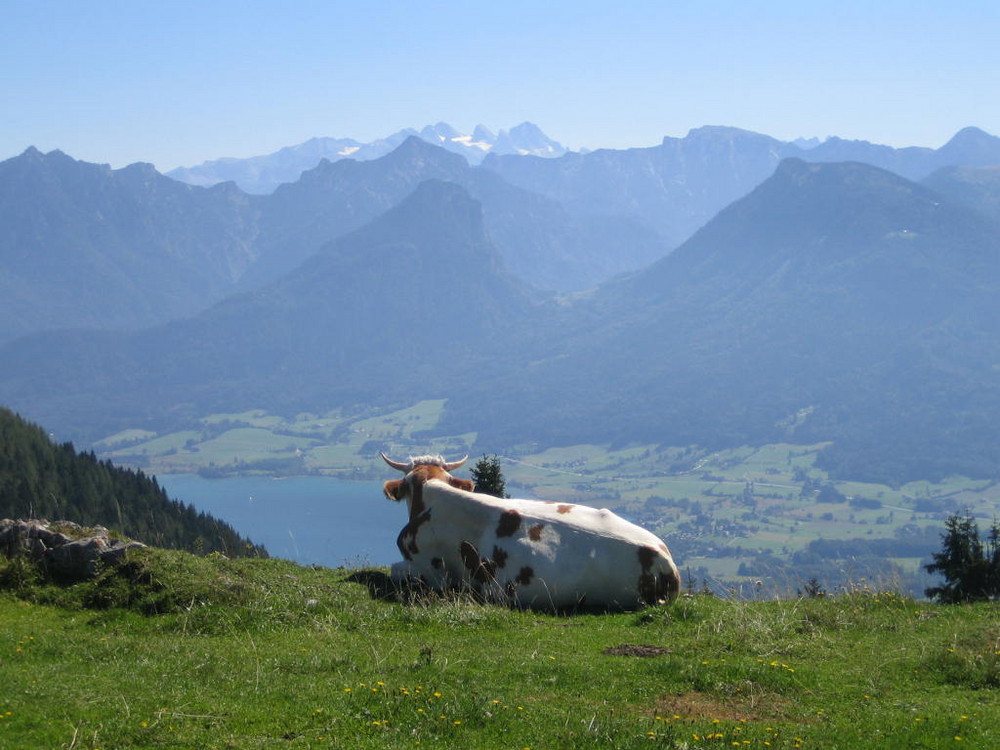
x: 173, y: 650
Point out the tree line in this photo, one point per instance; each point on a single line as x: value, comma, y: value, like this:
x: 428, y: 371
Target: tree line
x: 43, y: 479
x: 969, y: 563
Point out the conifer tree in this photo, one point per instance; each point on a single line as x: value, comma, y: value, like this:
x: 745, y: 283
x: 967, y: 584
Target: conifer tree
x: 489, y: 477
x: 970, y: 566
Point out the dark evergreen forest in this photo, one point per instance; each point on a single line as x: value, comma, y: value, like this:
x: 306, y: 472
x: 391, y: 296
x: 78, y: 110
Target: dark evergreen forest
x: 42, y: 479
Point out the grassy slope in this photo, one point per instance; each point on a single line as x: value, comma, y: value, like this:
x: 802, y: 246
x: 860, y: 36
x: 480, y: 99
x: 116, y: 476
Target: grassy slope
x: 263, y: 653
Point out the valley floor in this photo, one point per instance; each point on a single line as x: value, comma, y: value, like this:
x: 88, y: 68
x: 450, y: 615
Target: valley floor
x: 732, y: 519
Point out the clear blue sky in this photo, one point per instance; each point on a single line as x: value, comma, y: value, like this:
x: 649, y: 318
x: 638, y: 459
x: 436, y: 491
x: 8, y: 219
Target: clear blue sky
x: 175, y: 82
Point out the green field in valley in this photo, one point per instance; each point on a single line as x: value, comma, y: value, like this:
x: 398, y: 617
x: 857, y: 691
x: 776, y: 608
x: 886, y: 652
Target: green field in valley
x: 715, y: 509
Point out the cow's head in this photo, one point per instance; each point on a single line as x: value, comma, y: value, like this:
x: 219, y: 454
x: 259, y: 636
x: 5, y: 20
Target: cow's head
x: 419, y: 470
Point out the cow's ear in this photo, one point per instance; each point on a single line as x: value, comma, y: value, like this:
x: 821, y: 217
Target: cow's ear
x: 462, y: 484
x: 393, y: 489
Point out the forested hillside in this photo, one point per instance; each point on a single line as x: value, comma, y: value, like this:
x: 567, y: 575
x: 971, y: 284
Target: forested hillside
x: 40, y: 479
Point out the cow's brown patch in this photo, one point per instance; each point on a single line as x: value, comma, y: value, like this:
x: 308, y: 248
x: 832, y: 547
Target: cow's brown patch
x: 652, y: 588
x: 647, y: 587
x: 499, y: 556
x: 479, y: 569
x: 670, y: 586
x: 646, y: 557
x: 470, y: 556
x: 525, y: 575
x: 393, y: 489
x: 510, y: 522
x: 535, y: 532
x: 462, y: 484
x: 659, y: 588
x: 564, y: 508
x: 407, y: 543
x: 636, y: 649
x: 416, y: 480
x: 407, y: 539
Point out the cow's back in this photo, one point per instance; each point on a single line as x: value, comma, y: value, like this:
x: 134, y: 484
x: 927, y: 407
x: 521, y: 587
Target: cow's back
x: 547, y: 555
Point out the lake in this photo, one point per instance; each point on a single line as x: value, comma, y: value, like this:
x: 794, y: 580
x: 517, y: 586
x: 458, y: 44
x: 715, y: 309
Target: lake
x: 311, y: 520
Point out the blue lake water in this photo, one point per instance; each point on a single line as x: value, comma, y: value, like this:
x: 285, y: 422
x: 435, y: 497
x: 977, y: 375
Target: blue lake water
x: 311, y: 520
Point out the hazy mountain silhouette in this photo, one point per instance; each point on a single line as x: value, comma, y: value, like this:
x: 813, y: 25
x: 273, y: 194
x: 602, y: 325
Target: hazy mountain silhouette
x: 86, y: 246
x: 676, y: 187
x: 837, y: 302
x: 261, y: 175
x: 977, y: 187
x: 82, y: 244
x: 406, y: 305
x: 540, y: 241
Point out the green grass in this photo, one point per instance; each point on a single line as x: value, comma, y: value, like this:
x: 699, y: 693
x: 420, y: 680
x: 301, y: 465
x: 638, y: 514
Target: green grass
x: 177, y: 651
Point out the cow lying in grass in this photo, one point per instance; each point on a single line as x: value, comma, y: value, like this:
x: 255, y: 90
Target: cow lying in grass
x: 528, y: 553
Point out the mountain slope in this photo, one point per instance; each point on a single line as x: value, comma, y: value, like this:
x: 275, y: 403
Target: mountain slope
x: 540, y: 241
x: 108, y: 248
x: 976, y: 187
x: 82, y: 245
x: 676, y: 187
x: 834, y: 303
x: 407, y: 305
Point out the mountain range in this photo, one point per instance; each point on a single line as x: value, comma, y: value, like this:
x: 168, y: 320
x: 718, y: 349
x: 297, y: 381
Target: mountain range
x: 836, y: 302
x: 82, y: 245
x: 262, y: 174
x: 85, y: 245
x: 676, y: 187
x: 671, y: 189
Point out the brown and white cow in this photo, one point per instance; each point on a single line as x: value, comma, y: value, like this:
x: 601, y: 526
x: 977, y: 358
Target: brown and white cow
x: 529, y: 553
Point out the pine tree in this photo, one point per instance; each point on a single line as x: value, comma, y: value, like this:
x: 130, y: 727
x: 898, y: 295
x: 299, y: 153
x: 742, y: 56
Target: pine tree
x: 971, y: 568
x: 489, y: 478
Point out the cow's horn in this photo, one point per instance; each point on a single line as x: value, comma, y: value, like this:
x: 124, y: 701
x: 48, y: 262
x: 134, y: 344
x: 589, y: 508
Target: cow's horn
x: 455, y: 464
x: 398, y: 465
